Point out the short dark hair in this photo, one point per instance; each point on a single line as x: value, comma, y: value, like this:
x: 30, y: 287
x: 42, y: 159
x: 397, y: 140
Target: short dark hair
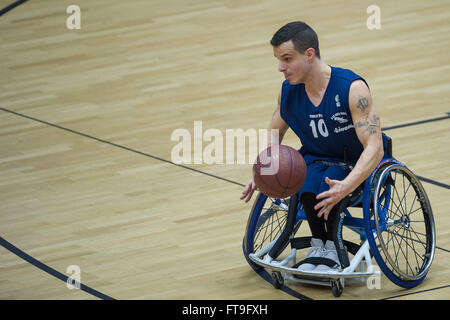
x: 302, y: 36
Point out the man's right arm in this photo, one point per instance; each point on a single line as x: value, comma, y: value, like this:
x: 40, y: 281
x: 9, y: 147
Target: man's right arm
x: 277, y: 125
x: 275, y: 132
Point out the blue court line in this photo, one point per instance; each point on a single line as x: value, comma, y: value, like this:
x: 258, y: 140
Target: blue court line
x: 11, y: 6
x: 51, y: 271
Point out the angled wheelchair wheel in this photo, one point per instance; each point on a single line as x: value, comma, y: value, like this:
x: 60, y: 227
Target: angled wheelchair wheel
x: 337, y: 288
x: 266, y: 222
x: 399, y: 224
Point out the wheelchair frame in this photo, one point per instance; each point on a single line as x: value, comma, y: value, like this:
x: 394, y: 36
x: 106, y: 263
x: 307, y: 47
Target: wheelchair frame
x: 378, y: 218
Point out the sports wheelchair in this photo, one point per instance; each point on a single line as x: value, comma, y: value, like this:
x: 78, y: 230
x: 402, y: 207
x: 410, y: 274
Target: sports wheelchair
x: 397, y: 229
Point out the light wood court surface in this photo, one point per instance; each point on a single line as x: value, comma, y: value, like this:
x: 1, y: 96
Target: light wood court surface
x: 86, y: 121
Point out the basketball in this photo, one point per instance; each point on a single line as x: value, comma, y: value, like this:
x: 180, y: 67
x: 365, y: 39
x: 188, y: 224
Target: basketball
x: 279, y: 171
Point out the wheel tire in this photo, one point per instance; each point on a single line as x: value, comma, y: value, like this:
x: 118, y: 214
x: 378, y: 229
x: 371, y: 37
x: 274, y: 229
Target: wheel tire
x: 396, y: 221
x: 264, y: 225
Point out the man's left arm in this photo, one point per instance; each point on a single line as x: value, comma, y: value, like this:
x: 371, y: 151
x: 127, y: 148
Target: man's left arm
x: 367, y: 126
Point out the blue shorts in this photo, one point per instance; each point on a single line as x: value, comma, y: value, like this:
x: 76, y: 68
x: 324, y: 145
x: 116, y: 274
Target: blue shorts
x: 316, y: 171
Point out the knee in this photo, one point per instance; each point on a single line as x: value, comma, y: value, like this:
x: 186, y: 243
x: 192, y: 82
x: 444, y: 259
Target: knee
x: 308, y: 199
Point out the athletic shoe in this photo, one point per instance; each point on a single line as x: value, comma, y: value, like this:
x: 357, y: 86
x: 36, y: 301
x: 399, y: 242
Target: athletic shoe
x: 317, y: 250
x: 330, y: 253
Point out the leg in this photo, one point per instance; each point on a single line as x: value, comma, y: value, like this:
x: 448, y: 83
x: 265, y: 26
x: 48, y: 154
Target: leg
x: 334, y: 218
x: 308, y: 192
x: 316, y: 224
x: 334, y: 233
x: 314, y: 185
x: 334, y: 243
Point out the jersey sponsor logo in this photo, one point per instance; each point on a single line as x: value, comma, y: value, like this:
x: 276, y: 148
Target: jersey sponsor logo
x: 315, y: 116
x: 340, y: 117
x: 341, y: 129
x: 340, y: 120
x: 338, y: 103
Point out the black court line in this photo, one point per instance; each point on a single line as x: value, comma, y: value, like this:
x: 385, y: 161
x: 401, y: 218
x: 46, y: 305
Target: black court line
x: 51, y: 271
x: 11, y: 6
x: 439, y: 184
x: 61, y: 276
x: 436, y: 183
x: 416, y: 122
x: 120, y: 146
x: 416, y: 292
x: 440, y: 248
x: 267, y: 277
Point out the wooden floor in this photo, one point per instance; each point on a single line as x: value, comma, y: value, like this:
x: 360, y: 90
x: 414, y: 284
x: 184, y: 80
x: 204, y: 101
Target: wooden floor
x: 86, y: 118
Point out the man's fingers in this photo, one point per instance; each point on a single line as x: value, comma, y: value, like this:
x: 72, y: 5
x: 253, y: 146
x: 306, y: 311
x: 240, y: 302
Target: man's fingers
x: 248, y: 191
x: 325, y: 211
x: 244, y: 193
x: 324, y: 208
x: 321, y: 212
x: 249, y: 195
x: 323, y: 195
x: 320, y: 204
x: 329, y: 181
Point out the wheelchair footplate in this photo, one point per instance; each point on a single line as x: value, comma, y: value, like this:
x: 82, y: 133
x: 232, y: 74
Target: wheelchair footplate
x: 287, y: 269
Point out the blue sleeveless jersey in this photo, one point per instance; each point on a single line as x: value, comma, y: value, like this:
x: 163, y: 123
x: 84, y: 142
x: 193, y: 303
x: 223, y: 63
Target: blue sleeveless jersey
x: 326, y: 130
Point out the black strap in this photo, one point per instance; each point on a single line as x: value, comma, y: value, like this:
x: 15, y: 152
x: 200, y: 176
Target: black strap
x: 301, y: 242
x: 318, y: 260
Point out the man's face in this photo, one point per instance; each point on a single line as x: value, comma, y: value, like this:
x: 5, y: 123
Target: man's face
x: 292, y: 63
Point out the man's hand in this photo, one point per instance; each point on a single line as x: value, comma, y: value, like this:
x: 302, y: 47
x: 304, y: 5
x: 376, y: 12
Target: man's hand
x: 331, y: 197
x: 248, y: 191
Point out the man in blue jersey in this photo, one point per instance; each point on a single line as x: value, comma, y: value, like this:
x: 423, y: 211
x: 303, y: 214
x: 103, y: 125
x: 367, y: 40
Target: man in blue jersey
x: 331, y: 110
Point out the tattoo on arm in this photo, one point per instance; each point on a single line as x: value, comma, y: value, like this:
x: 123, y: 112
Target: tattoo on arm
x: 370, y: 125
x: 363, y: 103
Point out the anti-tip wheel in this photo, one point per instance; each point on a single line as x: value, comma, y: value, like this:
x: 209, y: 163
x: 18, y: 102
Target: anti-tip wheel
x: 336, y: 288
x: 277, y: 279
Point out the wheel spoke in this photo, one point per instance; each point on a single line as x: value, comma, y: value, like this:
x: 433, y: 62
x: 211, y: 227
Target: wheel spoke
x: 404, y: 243
x: 396, y: 192
x: 280, y: 220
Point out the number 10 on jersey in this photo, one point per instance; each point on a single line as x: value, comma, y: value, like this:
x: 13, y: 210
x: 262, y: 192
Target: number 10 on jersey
x: 321, y: 127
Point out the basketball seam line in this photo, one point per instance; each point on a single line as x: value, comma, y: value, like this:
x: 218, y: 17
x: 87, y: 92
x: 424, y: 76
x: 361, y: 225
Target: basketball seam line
x: 291, y: 169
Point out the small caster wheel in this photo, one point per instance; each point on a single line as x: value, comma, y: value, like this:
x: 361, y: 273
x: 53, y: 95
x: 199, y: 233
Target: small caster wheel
x: 277, y: 279
x: 336, y: 288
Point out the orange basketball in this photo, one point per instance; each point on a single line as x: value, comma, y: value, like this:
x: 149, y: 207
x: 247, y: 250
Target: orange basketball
x: 279, y: 171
